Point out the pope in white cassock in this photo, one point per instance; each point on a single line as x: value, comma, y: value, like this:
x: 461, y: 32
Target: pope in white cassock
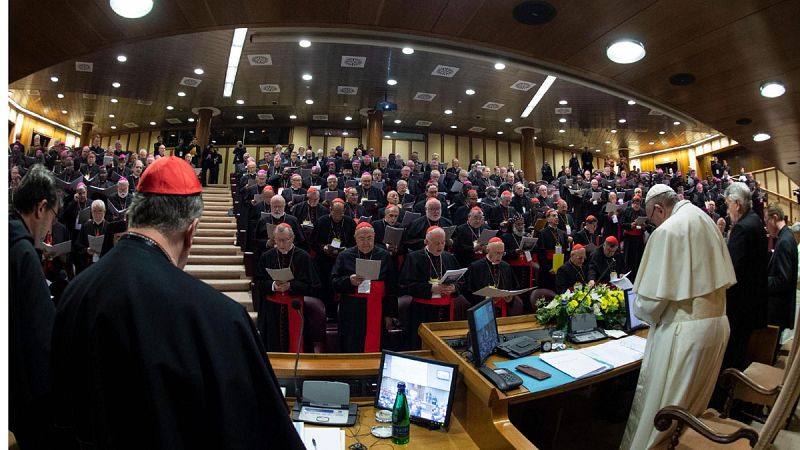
x: 680, y: 290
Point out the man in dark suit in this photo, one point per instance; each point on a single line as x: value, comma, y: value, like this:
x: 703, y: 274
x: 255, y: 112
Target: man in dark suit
x: 781, y: 271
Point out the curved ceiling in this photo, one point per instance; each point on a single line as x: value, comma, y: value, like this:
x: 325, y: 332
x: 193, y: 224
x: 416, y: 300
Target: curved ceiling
x: 730, y: 47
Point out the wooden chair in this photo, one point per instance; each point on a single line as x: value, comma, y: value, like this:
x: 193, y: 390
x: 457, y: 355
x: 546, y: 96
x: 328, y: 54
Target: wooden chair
x: 710, y: 430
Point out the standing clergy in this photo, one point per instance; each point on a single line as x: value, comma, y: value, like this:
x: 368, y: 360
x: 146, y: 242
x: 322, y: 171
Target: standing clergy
x: 365, y: 306
x: 572, y: 272
x: 420, y: 278
x: 278, y: 322
x: 309, y: 211
x: 605, y: 262
x: 492, y: 271
x: 551, y: 241
x: 466, y: 247
x: 633, y: 236
x: 782, y: 270
x: 332, y: 235
x: 683, y: 299
x: 416, y: 231
x: 175, y: 365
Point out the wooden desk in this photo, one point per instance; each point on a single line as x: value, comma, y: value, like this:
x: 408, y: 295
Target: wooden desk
x: 482, y: 408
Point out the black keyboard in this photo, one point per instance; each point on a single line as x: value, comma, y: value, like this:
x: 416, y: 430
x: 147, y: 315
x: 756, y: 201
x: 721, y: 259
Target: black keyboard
x: 536, y: 335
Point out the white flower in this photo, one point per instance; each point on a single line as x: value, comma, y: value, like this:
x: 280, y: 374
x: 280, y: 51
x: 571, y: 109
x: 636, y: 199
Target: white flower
x: 597, y: 311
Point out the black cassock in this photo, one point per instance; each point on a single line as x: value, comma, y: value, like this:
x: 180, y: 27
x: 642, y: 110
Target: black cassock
x: 602, y: 267
x: 414, y: 237
x: 568, y: 275
x: 167, y: 362
x: 261, y: 234
x: 352, y: 309
x: 464, y: 238
x: 324, y: 232
x: 80, y: 256
x: 483, y: 273
x: 548, y: 238
x: 273, y: 322
x: 419, y: 268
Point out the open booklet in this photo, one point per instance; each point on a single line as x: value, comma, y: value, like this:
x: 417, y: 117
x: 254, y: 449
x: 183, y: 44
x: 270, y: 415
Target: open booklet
x: 96, y: 243
x: 393, y: 236
x: 487, y: 234
x: 493, y: 292
x: 55, y: 250
x: 281, y: 274
x: 368, y: 269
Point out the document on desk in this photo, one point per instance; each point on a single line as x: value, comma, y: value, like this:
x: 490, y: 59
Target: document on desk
x: 318, y: 438
x: 575, y: 363
x: 614, y: 353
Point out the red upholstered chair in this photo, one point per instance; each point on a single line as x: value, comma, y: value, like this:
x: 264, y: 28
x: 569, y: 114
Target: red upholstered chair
x: 539, y: 293
x: 316, y: 322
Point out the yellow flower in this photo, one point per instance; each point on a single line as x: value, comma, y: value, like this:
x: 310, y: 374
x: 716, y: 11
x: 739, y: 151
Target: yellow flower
x: 573, y: 304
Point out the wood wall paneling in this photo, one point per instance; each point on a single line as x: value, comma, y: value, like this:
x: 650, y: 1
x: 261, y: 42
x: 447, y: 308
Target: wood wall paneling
x: 350, y: 143
x: 420, y: 147
x: 465, y: 152
x: 402, y: 147
x: 449, y: 148
x: 491, y: 153
x: 516, y: 154
x: 317, y: 142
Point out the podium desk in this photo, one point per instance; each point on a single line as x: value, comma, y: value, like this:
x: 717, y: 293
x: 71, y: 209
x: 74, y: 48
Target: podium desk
x: 361, y: 371
x: 481, y: 408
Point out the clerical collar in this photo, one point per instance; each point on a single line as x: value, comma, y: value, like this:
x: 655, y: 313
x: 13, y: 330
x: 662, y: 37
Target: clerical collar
x: 136, y: 237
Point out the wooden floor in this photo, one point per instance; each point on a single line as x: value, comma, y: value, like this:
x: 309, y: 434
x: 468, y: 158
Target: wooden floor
x: 214, y: 258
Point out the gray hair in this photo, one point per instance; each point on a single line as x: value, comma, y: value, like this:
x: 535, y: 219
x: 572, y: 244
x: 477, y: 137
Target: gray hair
x: 168, y: 214
x: 739, y: 192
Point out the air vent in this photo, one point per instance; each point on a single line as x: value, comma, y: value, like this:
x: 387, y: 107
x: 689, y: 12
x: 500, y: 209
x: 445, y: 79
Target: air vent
x: 494, y: 106
x: 424, y: 96
x: 269, y: 88
x: 522, y: 85
x: 260, y: 60
x: 356, y: 62
x: 173, y: 120
x: 144, y: 102
x: 347, y: 90
x: 563, y: 110
x: 445, y: 71
x: 191, y: 82
x: 266, y: 117
x: 32, y: 92
x: 89, y: 114
x: 640, y: 130
x: 81, y: 66
x: 320, y: 117
x: 653, y: 112
x: 423, y: 123
x: 130, y: 125
x: 476, y: 129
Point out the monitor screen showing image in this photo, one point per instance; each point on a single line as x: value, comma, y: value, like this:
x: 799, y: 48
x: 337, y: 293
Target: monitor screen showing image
x: 482, y: 331
x: 430, y: 386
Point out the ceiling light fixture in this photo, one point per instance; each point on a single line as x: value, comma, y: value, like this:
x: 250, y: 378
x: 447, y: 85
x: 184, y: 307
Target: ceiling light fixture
x: 240, y: 117
x: 651, y: 142
x: 309, y: 102
x: 152, y: 123
x: 761, y: 137
x: 115, y: 84
x: 538, y: 96
x: 453, y: 126
x: 499, y: 132
x: 170, y: 107
x: 199, y: 71
x: 113, y: 127
x: 181, y: 94
x: 597, y: 150
x: 408, y: 51
x: 499, y: 66
x: 54, y: 79
x: 613, y: 131
x: 772, y: 89
x: 662, y: 132
x: 391, y: 82
x: 305, y: 43
x: 448, y: 111
x: 57, y: 95
x: 251, y: 131
x: 625, y: 51
x: 293, y: 117
x: 111, y: 116
x: 608, y: 142
x: 113, y: 100
x: 470, y: 92
x: 562, y: 131
x: 563, y: 102
x: 191, y: 119
x: 348, y: 118
x: 631, y: 102
x: 398, y: 121
x: 345, y: 133
x: 132, y: 9
x: 387, y: 137
x: 307, y: 77
x: 237, y: 44
x: 676, y: 123
x: 571, y: 145
x: 622, y: 121
x: 63, y: 111
x: 394, y: 132
x: 240, y: 102
x: 122, y: 58
x: 562, y: 120
x: 508, y: 120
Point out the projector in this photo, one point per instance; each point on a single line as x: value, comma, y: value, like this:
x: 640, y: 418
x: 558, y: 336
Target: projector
x: 386, y: 106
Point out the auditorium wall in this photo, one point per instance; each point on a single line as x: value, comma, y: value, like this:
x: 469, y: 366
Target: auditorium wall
x: 28, y: 125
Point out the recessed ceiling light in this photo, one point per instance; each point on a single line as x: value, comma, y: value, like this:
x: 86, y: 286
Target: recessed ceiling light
x: 397, y: 121
x: 408, y: 51
x: 608, y: 142
x: 772, y: 89
x: 613, y: 131
x: 562, y: 120
x: 453, y: 126
x: 116, y: 84
x: 152, y: 123
x: 122, y: 58
x: 305, y: 43
x: 760, y: 137
x: 508, y: 120
x: 470, y: 92
x: 625, y: 51
x: 58, y: 95
x: 54, y: 79
x: 394, y: 132
x: 562, y: 131
x: 181, y: 94
x: 63, y: 111
x: 535, y: 138
x: 662, y: 132
x: 499, y: 66
x: 307, y: 77
x: 562, y: 102
x: 597, y: 150
x: 345, y: 133
x: 448, y: 111
x: 651, y: 142
x: 191, y: 119
x: 387, y: 137
x: 309, y: 102
x: 172, y: 135
x: 348, y: 118
x: 622, y: 121
x: 132, y: 9
x: 391, y: 82
x: 113, y: 100
x: 676, y: 123
x: 499, y: 132
x: 293, y: 117
x: 631, y: 102
x: 572, y: 145
x: 111, y: 116
x: 199, y: 71
x: 251, y: 131
x: 170, y: 107
x: 240, y: 117
x: 240, y: 102
x: 113, y: 127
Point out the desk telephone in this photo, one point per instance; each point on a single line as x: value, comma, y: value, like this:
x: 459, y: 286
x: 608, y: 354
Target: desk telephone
x: 504, y: 379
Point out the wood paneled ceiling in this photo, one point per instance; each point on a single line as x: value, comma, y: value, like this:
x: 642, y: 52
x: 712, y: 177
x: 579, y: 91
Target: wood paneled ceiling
x: 731, y: 47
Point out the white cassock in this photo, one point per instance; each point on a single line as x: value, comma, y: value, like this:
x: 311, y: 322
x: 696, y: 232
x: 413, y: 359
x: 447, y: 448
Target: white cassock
x: 680, y: 290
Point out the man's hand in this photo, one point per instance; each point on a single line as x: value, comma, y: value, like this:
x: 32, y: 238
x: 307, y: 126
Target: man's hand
x: 443, y: 289
x: 569, y: 239
x: 270, y: 243
x: 281, y: 286
x: 591, y: 283
x: 355, y: 280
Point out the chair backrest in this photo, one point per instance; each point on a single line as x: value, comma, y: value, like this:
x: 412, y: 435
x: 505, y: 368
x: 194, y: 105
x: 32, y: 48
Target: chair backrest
x: 795, y: 341
x: 783, y: 408
x: 539, y: 293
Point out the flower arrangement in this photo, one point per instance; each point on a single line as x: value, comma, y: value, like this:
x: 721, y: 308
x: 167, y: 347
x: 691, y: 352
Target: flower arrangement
x: 605, y: 302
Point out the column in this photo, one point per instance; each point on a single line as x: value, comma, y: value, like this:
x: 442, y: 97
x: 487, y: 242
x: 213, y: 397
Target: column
x: 203, y: 129
x: 375, y: 131
x: 86, y: 134
x: 528, y: 148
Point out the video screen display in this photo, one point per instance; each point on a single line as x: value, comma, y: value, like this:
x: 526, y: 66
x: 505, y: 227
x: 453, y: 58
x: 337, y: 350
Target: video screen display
x: 483, y: 330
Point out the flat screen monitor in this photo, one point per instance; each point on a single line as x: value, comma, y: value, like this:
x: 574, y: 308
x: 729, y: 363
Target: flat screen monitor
x: 430, y: 387
x: 632, y: 322
x: 482, y: 331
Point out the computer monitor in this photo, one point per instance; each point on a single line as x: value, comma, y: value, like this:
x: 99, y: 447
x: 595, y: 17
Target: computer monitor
x: 430, y: 387
x: 632, y: 323
x: 482, y: 331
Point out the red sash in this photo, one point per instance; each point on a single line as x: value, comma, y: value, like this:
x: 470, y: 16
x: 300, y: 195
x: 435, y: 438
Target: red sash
x: 502, y: 305
x: 445, y: 300
x: 372, y: 339
x: 294, y: 318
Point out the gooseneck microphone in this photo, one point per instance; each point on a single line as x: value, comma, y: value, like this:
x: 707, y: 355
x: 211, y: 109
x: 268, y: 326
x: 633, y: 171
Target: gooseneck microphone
x: 297, y: 307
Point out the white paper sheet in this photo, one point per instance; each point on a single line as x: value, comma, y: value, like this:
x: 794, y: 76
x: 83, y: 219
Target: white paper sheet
x: 368, y: 269
x: 96, y: 243
x: 281, y: 274
x: 574, y: 363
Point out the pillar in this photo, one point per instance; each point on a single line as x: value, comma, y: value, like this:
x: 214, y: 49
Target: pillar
x: 203, y: 130
x: 86, y: 133
x: 529, y: 164
x: 375, y: 130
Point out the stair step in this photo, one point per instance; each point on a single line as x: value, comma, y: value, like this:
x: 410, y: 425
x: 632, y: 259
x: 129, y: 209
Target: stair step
x: 229, y: 226
x: 216, y: 208
x: 214, y: 259
x: 242, y: 298
x: 214, y: 271
x: 213, y: 240
x: 217, y: 220
x: 216, y: 232
x: 229, y: 285
x: 207, y: 213
x: 211, y: 249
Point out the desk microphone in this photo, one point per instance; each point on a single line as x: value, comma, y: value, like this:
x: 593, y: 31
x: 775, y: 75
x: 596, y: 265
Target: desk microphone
x: 297, y: 307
